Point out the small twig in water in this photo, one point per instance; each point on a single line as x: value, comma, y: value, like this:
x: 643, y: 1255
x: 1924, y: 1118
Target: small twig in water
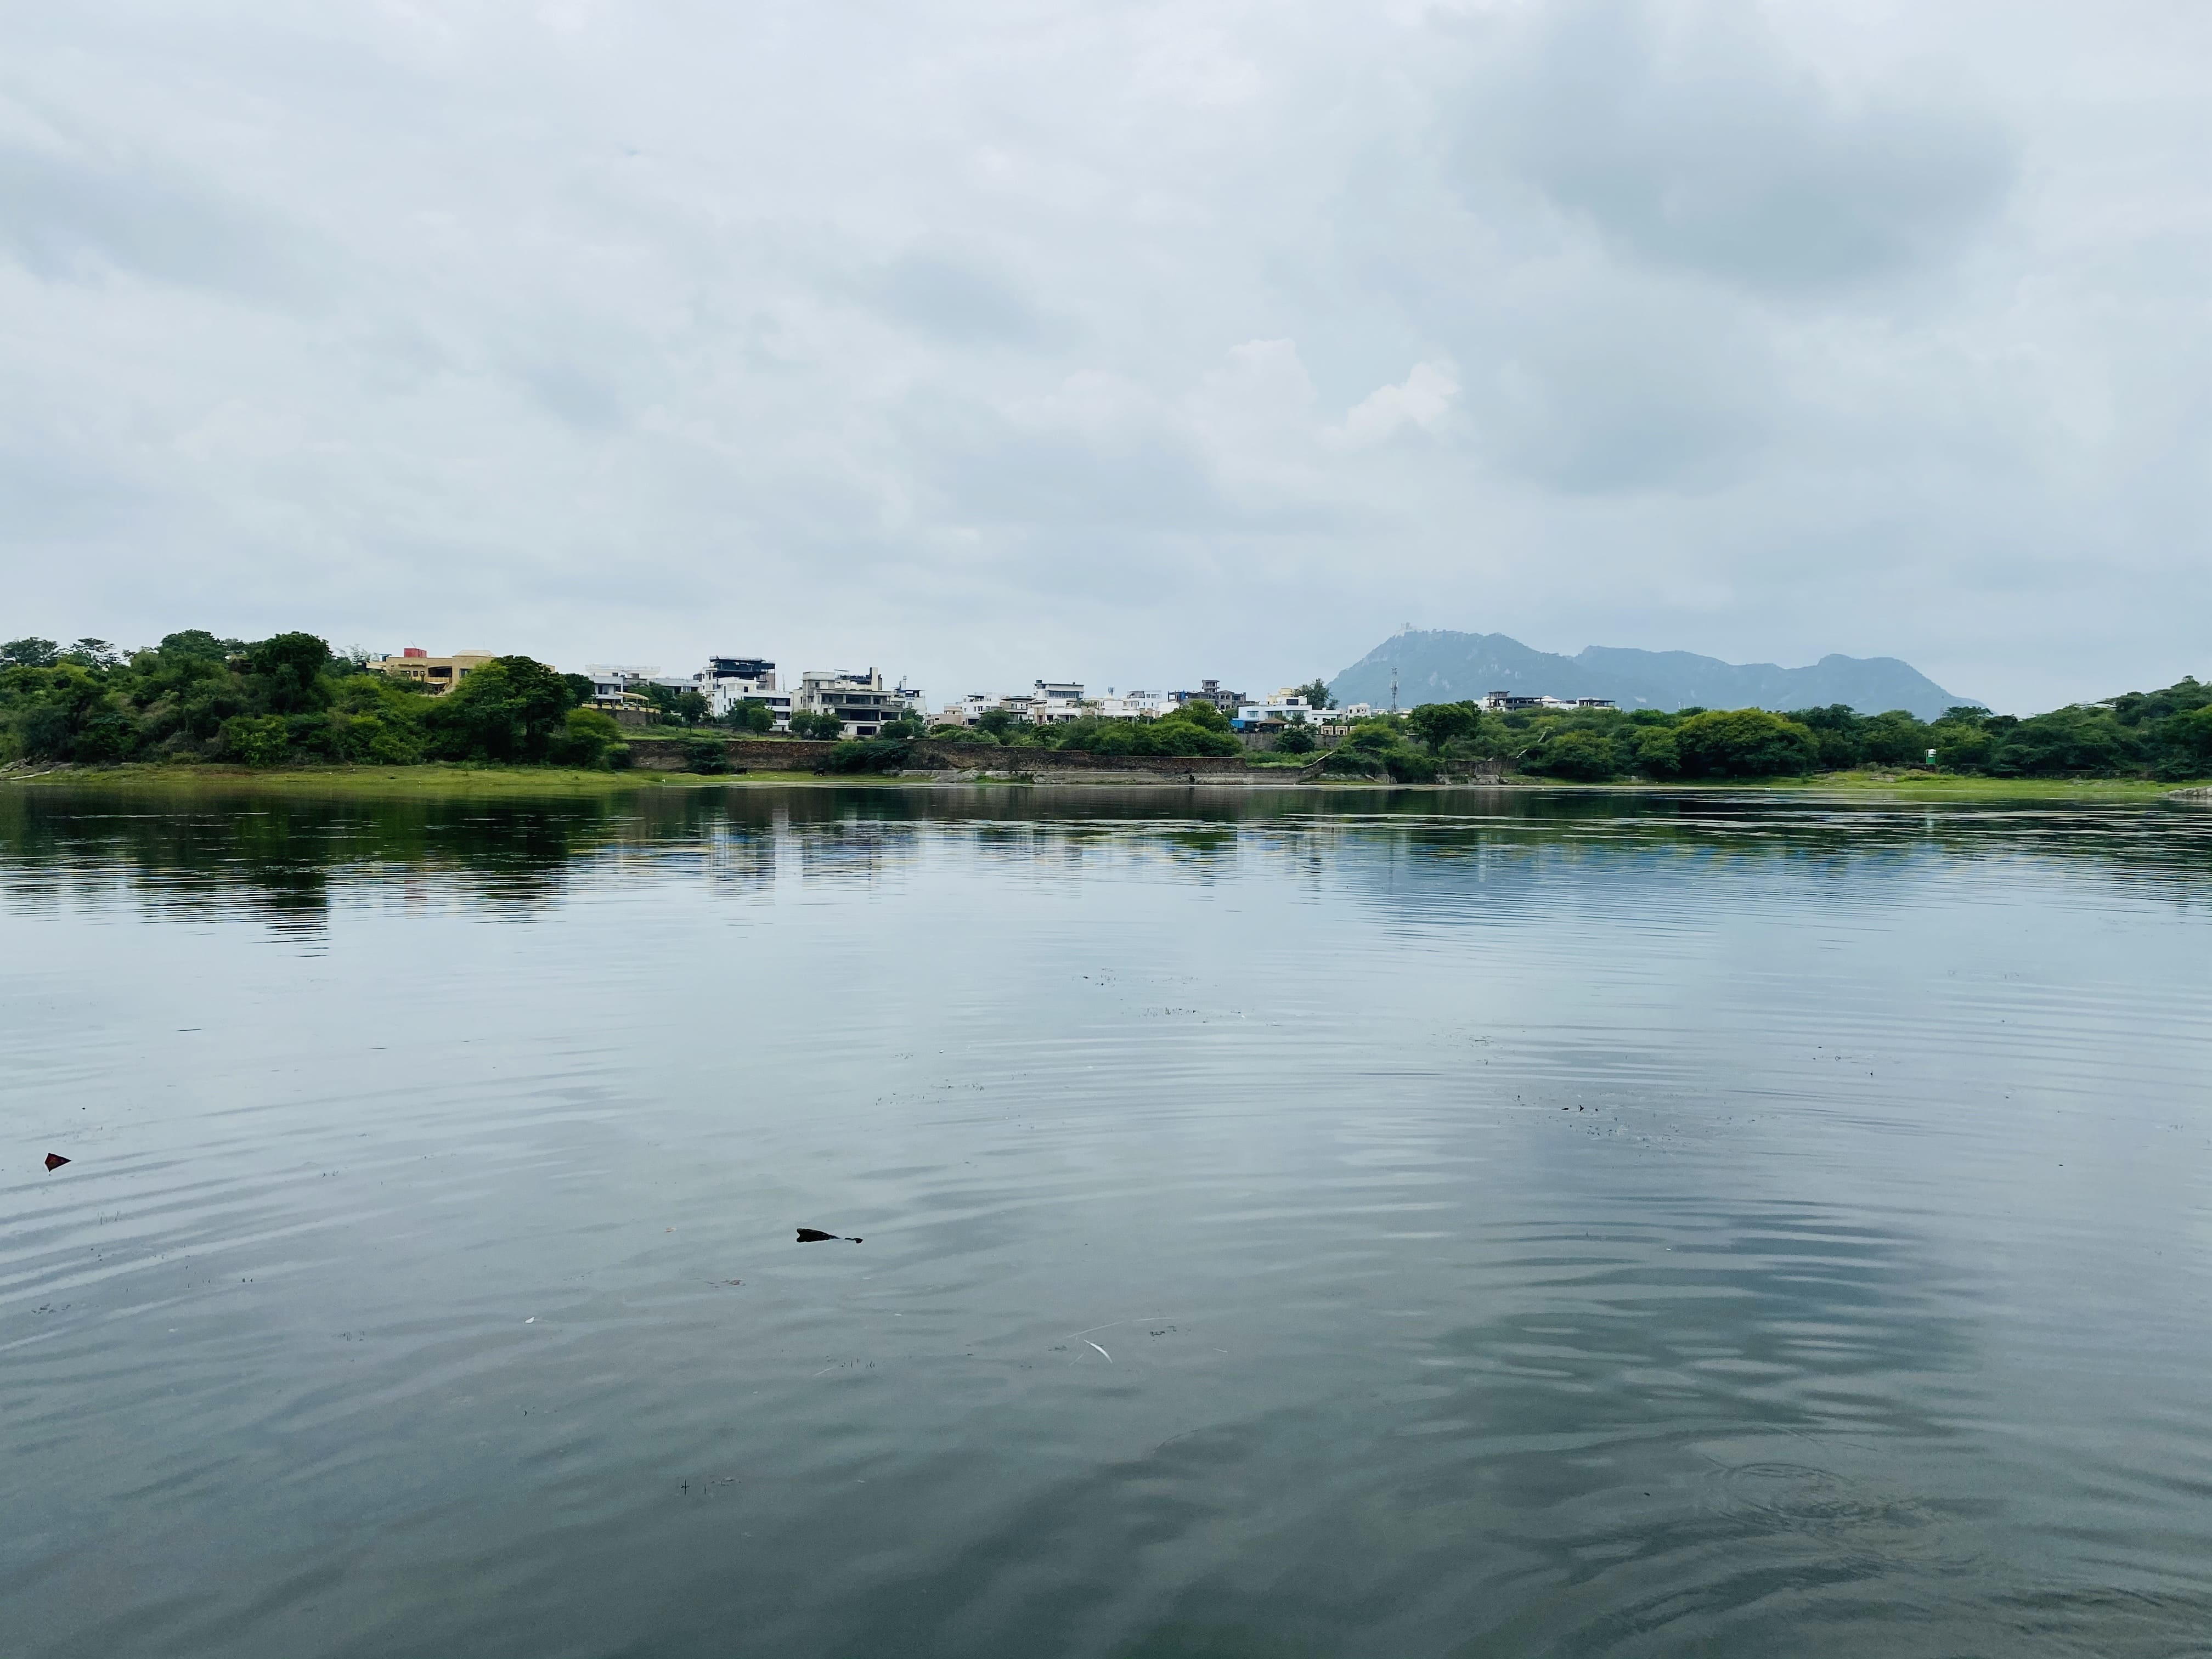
x: 1089, y: 1344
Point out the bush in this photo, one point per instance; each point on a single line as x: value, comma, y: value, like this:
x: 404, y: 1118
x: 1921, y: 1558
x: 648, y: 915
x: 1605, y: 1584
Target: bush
x: 867, y: 755
x: 705, y: 754
x: 1410, y: 766
x: 1585, y: 756
x: 806, y: 723
x: 106, y: 737
x: 751, y: 715
x: 586, y: 737
x: 1296, y: 739
x: 256, y: 740
x: 1744, y: 743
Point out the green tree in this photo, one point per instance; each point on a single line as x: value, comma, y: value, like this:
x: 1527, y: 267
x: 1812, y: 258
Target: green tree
x: 1656, y: 755
x: 751, y: 716
x: 509, y: 709
x: 197, y: 644
x: 1438, y: 724
x: 1585, y: 755
x: 1296, y: 739
x: 820, y: 726
x: 286, y: 674
x: 1201, y: 713
x: 1316, y: 693
x: 588, y: 736
x: 30, y: 653
x: 1744, y: 743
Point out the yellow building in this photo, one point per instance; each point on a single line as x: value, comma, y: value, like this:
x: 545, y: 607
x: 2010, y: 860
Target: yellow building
x: 441, y: 674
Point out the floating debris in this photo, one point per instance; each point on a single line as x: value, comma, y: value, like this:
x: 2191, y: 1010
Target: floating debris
x: 815, y: 1235
x: 54, y: 1161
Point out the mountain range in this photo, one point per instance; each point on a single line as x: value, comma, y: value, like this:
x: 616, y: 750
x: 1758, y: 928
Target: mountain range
x: 1436, y: 665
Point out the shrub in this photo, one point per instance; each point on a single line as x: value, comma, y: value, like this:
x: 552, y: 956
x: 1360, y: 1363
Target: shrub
x: 256, y: 740
x: 106, y: 737
x: 585, y: 737
x: 1586, y: 756
x: 1296, y: 739
x: 867, y: 755
x: 1410, y: 766
x: 705, y: 754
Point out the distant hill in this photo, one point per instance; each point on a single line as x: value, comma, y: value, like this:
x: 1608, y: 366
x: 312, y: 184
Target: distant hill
x: 1439, y: 666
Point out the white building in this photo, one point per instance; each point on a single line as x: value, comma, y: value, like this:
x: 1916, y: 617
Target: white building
x: 1284, y: 709
x: 729, y: 681
x: 1047, y: 702
x: 862, y: 702
x: 613, y: 683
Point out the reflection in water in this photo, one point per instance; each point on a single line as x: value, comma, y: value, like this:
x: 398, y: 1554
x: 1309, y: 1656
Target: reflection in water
x: 289, y: 858
x: 1423, y: 1224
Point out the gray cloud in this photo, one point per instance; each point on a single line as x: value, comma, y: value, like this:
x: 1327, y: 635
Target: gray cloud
x: 955, y: 301
x: 1134, y: 343
x: 70, y: 217
x: 1692, y: 138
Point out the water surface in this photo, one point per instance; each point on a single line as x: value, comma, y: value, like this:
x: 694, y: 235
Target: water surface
x: 1410, y: 1224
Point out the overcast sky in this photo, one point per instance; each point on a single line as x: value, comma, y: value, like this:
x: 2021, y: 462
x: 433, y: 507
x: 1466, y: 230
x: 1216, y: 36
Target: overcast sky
x: 1123, y: 342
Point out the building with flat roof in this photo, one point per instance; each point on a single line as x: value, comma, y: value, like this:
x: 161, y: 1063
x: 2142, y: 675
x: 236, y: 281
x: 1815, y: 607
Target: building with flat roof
x: 729, y: 681
x: 438, y: 674
x: 862, y: 702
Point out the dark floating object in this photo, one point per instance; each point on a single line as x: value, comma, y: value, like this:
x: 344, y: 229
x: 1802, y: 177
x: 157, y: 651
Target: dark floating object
x: 55, y: 1160
x: 813, y: 1236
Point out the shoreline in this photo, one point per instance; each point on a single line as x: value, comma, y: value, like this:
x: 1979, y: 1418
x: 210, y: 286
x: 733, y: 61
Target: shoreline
x: 448, y: 778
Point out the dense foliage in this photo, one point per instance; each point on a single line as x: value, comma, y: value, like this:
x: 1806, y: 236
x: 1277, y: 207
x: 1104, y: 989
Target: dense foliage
x: 284, y: 700
x: 289, y: 700
x: 2158, y: 734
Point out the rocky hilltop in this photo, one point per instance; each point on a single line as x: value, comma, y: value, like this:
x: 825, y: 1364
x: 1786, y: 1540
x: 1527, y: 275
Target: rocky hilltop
x: 1438, y: 665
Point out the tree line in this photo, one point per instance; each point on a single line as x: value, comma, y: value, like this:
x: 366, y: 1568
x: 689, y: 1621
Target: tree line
x: 290, y: 699
x: 2165, y: 735
x: 285, y: 700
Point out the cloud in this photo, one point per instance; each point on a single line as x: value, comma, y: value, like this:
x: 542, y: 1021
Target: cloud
x: 1687, y: 134
x: 1130, y: 343
x: 1422, y: 400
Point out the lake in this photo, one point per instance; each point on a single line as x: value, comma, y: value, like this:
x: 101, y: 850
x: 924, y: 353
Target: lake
x: 1398, y: 1223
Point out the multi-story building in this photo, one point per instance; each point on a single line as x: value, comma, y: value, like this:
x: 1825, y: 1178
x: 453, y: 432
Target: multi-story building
x: 441, y: 674
x: 729, y: 681
x: 1210, y: 691
x: 861, y: 701
x: 615, y: 685
x: 1280, y: 710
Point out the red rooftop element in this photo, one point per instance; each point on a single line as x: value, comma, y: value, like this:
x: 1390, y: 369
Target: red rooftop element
x: 413, y: 651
